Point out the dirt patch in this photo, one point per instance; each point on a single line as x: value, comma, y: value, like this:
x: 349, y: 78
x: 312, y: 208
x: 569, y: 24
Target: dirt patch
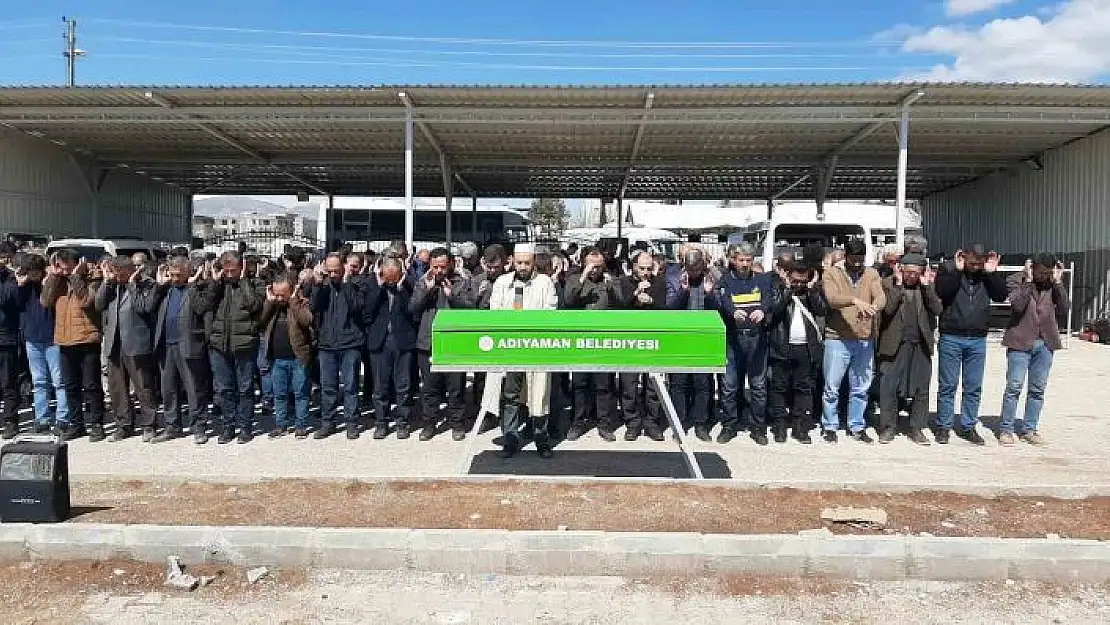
x: 50, y: 592
x: 745, y: 585
x: 523, y: 505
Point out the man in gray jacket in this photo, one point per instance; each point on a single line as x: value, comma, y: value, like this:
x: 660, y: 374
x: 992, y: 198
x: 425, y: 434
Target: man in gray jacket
x: 127, y: 300
x: 440, y: 287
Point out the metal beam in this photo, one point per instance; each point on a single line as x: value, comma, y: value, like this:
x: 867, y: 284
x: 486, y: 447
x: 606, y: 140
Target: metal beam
x: 444, y: 159
x: 232, y: 141
x: 649, y: 101
x: 903, y: 164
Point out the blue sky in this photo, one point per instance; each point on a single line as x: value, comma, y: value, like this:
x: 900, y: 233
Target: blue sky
x: 208, y: 41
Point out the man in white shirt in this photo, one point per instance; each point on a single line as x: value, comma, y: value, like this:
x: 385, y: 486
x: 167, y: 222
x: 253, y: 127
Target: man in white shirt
x: 524, y: 289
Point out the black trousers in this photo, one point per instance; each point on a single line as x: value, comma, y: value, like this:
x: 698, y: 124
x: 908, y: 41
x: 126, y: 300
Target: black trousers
x: 392, y: 372
x: 439, y: 388
x: 640, y: 402
x: 9, y: 381
x: 81, y: 372
x: 692, y: 394
x: 791, y: 390
x: 516, y: 422
x: 123, y: 373
x: 190, y: 374
x: 594, y: 391
x: 890, y: 404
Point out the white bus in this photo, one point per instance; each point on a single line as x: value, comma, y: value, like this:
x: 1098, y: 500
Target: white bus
x: 771, y: 237
x: 365, y: 221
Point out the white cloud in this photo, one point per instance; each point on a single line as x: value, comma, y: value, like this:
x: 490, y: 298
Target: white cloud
x: 1070, y: 45
x: 960, y: 8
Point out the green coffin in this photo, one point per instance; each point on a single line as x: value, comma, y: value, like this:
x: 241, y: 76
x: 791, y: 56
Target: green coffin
x: 578, y: 340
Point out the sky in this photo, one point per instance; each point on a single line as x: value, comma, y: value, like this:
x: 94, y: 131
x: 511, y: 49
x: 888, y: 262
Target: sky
x: 561, y: 42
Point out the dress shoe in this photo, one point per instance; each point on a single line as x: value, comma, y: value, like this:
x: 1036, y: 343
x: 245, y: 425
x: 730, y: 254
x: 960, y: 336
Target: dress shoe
x: 655, y: 434
x: 381, y: 432
x: 428, y: 433
x: 41, y: 428
x: 780, y: 435
x: 245, y: 436
x: 200, y: 436
x: 122, y: 433
x: 300, y: 433
x: 167, y: 435
x: 829, y: 436
x: 971, y: 435
x: 919, y: 437
x: 606, y: 435
x: 759, y: 437
x: 862, y: 437
x: 403, y: 431
x: 327, y: 428
x: 11, y: 430
x: 226, y: 436
x: 352, y: 432
x: 1033, y: 438
x: 458, y: 434
x: 942, y: 436
x: 702, y: 433
x: 803, y: 438
x: 631, y: 434
x: 96, y: 433
x: 726, y: 435
x: 887, y: 435
x: 575, y: 432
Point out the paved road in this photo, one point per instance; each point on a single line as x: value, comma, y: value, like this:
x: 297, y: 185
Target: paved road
x: 1074, y: 422
x: 410, y: 598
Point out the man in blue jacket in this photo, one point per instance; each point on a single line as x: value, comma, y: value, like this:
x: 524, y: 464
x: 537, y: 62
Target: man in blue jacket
x: 44, y: 357
x: 745, y: 303
x: 336, y: 304
x: 391, y: 341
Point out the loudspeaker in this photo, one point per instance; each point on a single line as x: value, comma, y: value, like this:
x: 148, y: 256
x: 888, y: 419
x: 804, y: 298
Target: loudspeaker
x: 34, y: 482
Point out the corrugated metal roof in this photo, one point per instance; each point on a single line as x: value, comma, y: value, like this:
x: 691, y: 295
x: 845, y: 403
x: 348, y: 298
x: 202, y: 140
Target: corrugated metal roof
x: 707, y: 141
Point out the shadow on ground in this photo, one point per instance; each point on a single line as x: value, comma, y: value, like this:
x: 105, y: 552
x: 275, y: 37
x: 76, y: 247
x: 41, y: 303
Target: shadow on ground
x: 670, y: 464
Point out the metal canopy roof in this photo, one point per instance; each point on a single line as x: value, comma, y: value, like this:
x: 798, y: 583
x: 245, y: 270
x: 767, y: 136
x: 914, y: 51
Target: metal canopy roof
x: 754, y: 142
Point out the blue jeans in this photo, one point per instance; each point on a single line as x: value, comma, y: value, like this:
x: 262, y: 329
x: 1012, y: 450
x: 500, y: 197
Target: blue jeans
x: 290, y: 377
x: 1038, y: 363
x: 956, y: 353
x: 746, y: 357
x: 265, y: 384
x: 233, y: 380
x: 335, y: 367
x: 45, y: 362
x: 854, y: 358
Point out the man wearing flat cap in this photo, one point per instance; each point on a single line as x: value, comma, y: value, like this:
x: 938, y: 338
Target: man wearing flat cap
x: 906, y: 344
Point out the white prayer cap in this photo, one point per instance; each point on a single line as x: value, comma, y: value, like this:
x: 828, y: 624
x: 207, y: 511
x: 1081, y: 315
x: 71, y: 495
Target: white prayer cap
x: 524, y: 248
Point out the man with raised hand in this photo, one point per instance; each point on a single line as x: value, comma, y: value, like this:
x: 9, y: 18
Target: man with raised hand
x: 1037, y: 300
x: 640, y: 402
x: 906, y: 345
x: 287, y: 348
x: 336, y: 303
x: 439, y: 288
x: 524, y: 289
x: 690, y: 287
x: 594, y: 288
x: 391, y: 340
x: 966, y: 285
x: 234, y: 305
x: 855, y: 295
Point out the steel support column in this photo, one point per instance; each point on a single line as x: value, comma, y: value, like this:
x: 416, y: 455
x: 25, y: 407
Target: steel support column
x: 409, y: 206
x: 448, y: 195
x: 903, y: 164
x: 620, y: 217
x: 474, y: 219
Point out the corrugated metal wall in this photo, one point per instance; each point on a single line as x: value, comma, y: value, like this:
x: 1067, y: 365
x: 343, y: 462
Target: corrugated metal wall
x: 46, y: 190
x: 1063, y: 208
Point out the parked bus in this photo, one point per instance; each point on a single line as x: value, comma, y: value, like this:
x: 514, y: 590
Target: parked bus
x: 771, y: 237
x: 368, y: 220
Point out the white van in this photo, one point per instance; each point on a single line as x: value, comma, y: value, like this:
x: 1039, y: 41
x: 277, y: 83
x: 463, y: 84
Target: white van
x: 93, y: 250
x: 770, y: 237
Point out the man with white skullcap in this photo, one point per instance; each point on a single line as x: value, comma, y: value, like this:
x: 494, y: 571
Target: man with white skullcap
x: 524, y: 289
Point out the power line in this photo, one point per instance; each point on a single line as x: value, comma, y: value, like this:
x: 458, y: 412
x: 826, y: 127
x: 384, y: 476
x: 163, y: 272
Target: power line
x: 870, y: 43
x: 480, y: 53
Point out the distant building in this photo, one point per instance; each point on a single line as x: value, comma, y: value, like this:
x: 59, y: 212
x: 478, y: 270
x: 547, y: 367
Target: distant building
x: 204, y: 227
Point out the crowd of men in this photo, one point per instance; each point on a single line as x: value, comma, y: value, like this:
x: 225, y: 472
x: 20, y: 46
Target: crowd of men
x: 816, y: 341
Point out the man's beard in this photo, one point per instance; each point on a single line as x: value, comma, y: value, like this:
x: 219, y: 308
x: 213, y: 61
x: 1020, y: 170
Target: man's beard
x: 525, y: 276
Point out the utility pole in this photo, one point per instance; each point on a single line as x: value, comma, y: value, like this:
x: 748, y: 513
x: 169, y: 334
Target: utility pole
x: 71, y: 52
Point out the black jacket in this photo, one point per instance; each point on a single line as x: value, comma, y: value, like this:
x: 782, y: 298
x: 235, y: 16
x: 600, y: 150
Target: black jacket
x: 425, y: 302
x: 626, y: 293
x: 378, y: 316
x: 190, y: 324
x: 234, y: 308
x: 967, y: 300
x: 337, y: 311
x: 782, y: 312
x: 10, y: 309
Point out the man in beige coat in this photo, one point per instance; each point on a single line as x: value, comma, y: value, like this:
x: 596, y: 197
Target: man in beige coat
x: 855, y: 295
x: 524, y: 289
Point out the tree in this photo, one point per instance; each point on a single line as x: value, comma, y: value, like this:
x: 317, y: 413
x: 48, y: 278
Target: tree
x: 550, y: 216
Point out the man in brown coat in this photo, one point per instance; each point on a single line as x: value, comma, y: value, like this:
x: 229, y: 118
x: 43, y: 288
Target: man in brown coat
x: 855, y: 295
x: 70, y: 290
x: 287, y: 345
x: 906, y: 345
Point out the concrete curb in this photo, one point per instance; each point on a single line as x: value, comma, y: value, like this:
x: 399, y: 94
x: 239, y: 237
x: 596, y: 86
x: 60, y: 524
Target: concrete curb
x: 1057, y: 491
x: 570, y: 552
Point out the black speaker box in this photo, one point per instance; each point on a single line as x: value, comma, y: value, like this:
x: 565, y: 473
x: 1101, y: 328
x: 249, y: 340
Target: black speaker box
x: 34, y: 482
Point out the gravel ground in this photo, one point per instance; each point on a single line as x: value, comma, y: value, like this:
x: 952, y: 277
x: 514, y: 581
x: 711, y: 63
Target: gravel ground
x: 381, y: 598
